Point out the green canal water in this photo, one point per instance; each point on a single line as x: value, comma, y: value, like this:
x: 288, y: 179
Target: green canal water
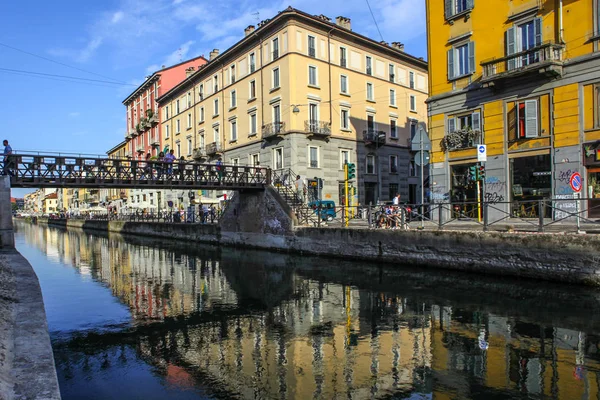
x: 137, y: 318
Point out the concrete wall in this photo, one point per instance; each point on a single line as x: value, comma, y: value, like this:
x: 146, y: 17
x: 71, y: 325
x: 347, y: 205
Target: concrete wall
x: 553, y: 257
x: 7, y: 239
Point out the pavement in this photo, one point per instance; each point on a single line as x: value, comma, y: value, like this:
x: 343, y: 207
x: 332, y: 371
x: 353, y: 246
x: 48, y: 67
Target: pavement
x: 27, y: 368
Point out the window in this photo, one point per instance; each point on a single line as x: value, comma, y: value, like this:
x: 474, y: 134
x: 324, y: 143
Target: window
x: 345, y: 118
x: 252, y: 90
x: 275, y: 49
x: 370, y: 92
x: 189, y: 146
x: 252, y: 62
x: 201, y: 114
x: 597, y: 22
x: 369, y: 64
x: 235, y: 161
x: 597, y: 106
x: 521, y: 38
x: 461, y: 61
x: 177, y: 127
x: 312, y: 75
x: 233, y: 129
x: 413, y: 103
x: 370, y: 164
x: 464, y: 122
x: 189, y: 120
x: 216, y: 137
x: 343, y: 59
x: 394, y: 164
x: 189, y: 99
x: 277, y: 116
x: 312, y: 51
x: 392, y: 74
x: 167, y: 109
x: 233, y: 99
x: 178, y: 150
x: 313, y: 156
x: 232, y: 74
x: 278, y: 158
x: 313, y: 117
x: 343, y: 84
x: 412, y: 167
x: 255, y: 159
x: 453, y: 7
x: 275, y: 80
x: 527, y: 119
x: 252, y: 124
x: 393, y: 129
x: 411, y: 80
x: 216, y: 107
x: 392, y: 97
x: 201, y: 92
x: 177, y: 107
x: 344, y: 158
x: 216, y: 81
x: 167, y: 131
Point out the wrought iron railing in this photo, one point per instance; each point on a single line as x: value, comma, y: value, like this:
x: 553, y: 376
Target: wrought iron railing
x: 321, y: 128
x: 199, y: 153
x: 532, y: 59
x: 213, y: 148
x: 273, y: 129
x: 462, y: 139
x: 372, y: 136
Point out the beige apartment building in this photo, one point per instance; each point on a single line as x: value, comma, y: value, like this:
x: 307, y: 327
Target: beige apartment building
x: 303, y: 95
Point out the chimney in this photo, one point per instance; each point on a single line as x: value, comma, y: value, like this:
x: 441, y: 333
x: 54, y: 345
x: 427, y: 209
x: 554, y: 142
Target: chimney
x: 323, y: 18
x: 343, y: 22
x: 189, y: 71
x: 248, y: 30
x: 398, y: 46
x: 213, y: 54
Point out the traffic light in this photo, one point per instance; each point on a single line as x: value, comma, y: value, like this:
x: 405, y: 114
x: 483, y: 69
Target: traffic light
x: 354, y: 191
x: 320, y: 183
x: 351, y: 168
x: 473, y: 173
x: 481, y: 172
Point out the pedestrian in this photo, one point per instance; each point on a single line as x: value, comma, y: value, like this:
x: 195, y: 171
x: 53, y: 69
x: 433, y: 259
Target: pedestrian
x: 219, y: 168
x: 159, y: 164
x: 298, y: 188
x: 169, y: 159
x: 5, y: 160
x: 396, y: 200
x: 181, y: 167
x: 146, y: 167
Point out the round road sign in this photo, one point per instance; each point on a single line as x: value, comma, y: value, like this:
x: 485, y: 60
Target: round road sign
x: 576, y: 183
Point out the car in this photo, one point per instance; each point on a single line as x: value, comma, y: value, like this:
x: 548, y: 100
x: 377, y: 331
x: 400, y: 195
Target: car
x: 324, y: 208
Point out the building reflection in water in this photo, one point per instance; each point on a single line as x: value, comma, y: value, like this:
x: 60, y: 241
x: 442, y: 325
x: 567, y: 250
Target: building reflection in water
x: 258, y: 325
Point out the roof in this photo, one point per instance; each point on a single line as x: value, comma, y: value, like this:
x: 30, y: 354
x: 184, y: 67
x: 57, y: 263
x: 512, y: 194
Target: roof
x: 288, y: 12
x: 51, y: 196
x: 155, y: 75
x: 116, y: 148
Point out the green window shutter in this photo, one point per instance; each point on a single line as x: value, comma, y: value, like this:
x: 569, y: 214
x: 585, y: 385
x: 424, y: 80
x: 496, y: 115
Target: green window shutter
x: 537, y: 29
x: 476, y: 121
x: 471, y: 57
x: 470, y: 4
x: 448, y: 8
x: 531, y: 118
x: 511, y: 47
x: 451, y: 64
x: 451, y: 125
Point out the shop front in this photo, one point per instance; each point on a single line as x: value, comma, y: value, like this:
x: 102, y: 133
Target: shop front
x: 591, y: 161
x: 463, y: 193
x: 531, y: 181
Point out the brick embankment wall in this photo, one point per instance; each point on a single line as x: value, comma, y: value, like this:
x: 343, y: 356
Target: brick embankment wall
x: 26, y: 360
x: 556, y: 257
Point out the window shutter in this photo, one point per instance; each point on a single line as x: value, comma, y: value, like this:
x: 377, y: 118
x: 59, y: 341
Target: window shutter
x: 451, y: 125
x: 511, y: 47
x: 471, y: 57
x: 448, y: 8
x: 451, y: 64
x: 476, y: 121
x: 537, y: 29
x: 531, y: 118
x: 470, y: 4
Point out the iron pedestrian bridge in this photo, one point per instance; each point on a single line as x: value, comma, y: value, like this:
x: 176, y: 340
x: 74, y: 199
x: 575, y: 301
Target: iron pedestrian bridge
x: 63, y: 171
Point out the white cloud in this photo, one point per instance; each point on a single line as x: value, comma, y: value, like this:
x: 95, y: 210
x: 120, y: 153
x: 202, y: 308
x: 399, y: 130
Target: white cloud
x: 74, y: 114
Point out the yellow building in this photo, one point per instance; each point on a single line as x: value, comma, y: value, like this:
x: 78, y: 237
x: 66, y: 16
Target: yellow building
x: 116, y: 197
x: 521, y: 77
x: 302, y: 94
x: 49, y: 203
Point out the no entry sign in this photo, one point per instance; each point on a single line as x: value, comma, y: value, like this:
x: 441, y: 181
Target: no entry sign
x: 575, y: 182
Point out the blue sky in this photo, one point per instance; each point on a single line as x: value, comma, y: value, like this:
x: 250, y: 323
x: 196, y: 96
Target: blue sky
x: 125, y: 40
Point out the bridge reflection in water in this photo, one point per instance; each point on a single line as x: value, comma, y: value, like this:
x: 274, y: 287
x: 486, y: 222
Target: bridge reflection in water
x: 244, y: 324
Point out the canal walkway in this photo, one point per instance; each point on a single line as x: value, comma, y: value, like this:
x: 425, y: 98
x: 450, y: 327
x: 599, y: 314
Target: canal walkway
x: 26, y: 360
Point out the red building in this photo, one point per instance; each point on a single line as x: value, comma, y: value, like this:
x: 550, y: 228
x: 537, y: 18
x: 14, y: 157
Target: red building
x: 143, y: 134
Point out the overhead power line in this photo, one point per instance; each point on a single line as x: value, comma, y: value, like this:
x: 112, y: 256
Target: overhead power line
x: 374, y: 20
x: 58, y: 62
x: 42, y: 74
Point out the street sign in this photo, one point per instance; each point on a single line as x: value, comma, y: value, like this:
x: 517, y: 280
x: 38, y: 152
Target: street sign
x: 482, y: 153
x: 420, y: 141
x: 576, y: 182
x: 425, y: 158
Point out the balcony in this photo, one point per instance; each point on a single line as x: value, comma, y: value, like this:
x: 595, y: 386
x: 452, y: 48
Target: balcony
x: 199, y: 153
x: 343, y: 62
x: 154, y: 142
x: 460, y: 140
x: 272, y: 130
x: 213, y: 148
x: 152, y: 118
x: 373, y: 137
x: 545, y: 60
x: 317, y: 128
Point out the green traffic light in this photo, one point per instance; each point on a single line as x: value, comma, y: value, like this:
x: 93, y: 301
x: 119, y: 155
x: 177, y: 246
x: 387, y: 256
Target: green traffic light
x: 351, y: 171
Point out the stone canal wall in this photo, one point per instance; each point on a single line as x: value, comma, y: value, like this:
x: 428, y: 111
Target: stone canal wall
x: 555, y: 257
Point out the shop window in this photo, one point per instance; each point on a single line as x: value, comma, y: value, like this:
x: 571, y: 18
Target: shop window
x: 523, y: 120
x: 597, y: 106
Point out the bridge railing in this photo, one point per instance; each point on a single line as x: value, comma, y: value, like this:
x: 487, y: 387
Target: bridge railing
x: 74, y: 171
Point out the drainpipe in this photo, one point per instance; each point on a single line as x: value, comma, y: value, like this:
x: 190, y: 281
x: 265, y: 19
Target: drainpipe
x: 329, y: 64
x: 560, y: 21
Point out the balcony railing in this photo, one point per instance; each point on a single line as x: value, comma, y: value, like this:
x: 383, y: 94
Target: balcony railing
x: 320, y: 128
x: 462, y: 139
x: 374, y: 137
x: 199, y: 153
x: 213, y: 148
x: 275, y: 54
x: 312, y: 52
x: 546, y: 59
x: 139, y: 149
x: 272, y: 130
x: 343, y: 62
x: 153, y: 119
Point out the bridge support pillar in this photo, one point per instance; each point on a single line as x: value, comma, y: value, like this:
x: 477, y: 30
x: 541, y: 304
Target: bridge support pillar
x: 7, y: 239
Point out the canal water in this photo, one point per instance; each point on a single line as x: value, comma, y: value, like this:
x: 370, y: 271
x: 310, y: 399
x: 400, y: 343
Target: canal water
x: 136, y: 318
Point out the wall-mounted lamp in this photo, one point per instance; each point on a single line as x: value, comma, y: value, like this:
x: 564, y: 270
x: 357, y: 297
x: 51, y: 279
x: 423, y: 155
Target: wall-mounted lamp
x: 295, y: 110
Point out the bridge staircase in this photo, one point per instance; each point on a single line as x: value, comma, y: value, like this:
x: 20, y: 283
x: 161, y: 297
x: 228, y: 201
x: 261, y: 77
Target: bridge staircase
x: 284, y: 181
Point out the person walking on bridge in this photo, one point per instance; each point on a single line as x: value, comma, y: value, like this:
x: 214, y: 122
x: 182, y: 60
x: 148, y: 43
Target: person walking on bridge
x: 5, y: 160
